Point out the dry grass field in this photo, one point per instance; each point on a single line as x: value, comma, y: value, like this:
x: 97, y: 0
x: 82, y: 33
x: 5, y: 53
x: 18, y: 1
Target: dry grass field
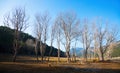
x: 27, y: 64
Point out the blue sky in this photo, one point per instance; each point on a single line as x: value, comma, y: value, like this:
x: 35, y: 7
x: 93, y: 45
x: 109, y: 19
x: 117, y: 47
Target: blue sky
x: 108, y: 10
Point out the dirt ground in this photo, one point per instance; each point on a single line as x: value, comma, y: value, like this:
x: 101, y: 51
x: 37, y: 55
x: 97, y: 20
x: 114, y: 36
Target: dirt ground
x: 29, y: 65
x: 17, y: 67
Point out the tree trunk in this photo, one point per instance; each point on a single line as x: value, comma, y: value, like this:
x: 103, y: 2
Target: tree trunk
x: 37, y: 57
x: 49, y: 55
x: 15, y: 44
x: 50, y: 52
x: 42, y: 56
x: 102, y: 56
x: 74, y: 55
x: 42, y: 50
x: 68, y: 57
x: 36, y: 52
x: 58, y: 43
x: 15, y: 54
x: 58, y: 54
x: 86, y: 55
x: 67, y: 52
x: 42, y: 59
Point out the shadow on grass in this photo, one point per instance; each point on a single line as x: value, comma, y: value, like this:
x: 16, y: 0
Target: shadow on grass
x: 29, y: 65
x: 32, y: 69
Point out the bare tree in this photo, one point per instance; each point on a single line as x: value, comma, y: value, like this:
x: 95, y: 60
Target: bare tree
x: 38, y: 30
x: 42, y: 21
x: 96, y: 50
x: 110, y: 50
x: 18, y: 20
x: 68, y: 22
x: 105, y: 37
x: 101, y: 36
x: 53, y: 31
x: 86, y: 38
x: 46, y: 20
x: 6, y: 21
x: 58, y: 42
x: 58, y: 35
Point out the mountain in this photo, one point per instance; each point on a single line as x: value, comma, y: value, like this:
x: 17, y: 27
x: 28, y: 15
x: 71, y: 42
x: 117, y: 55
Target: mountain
x: 27, y: 43
x: 78, y: 51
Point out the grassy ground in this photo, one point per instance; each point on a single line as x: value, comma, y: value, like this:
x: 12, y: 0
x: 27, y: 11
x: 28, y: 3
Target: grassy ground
x: 27, y: 64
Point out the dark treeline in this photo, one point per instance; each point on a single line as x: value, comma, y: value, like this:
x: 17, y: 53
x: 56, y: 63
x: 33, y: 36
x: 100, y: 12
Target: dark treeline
x: 27, y: 44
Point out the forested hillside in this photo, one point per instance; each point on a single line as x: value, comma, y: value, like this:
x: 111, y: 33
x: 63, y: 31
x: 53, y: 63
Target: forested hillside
x: 116, y: 51
x: 26, y: 43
